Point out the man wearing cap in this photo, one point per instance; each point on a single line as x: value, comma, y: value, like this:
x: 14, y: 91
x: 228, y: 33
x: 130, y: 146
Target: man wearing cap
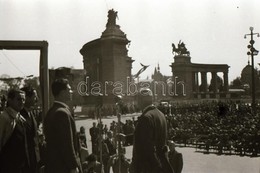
x: 150, y: 136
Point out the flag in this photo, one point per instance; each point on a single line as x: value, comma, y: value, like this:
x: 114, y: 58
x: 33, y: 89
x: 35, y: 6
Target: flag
x: 144, y: 67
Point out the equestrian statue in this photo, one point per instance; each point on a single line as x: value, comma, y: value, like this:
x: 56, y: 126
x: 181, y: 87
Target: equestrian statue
x: 180, y: 50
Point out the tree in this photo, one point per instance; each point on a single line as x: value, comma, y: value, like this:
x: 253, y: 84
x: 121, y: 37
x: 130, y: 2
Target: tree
x: 236, y: 83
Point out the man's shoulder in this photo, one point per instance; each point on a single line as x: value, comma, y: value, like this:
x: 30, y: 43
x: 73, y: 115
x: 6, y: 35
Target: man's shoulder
x: 57, y: 111
x: 152, y: 111
x: 8, y: 114
x: 178, y: 154
x: 4, y: 117
x: 175, y: 154
x: 149, y: 110
x: 58, y: 108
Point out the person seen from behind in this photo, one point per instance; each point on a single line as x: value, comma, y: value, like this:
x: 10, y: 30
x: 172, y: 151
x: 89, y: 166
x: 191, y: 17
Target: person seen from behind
x: 150, y: 136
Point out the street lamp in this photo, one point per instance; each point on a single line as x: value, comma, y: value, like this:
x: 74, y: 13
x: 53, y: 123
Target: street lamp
x: 253, y: 52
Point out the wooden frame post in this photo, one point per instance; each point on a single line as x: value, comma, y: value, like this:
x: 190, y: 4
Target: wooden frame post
x: 44, y: 72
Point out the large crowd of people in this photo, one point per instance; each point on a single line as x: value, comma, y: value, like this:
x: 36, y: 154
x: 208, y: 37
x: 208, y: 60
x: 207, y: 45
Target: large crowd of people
x: 221, y: 126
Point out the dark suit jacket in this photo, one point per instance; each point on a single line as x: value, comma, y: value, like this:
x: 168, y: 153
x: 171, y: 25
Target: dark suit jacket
x: 61, y: 140
x: 14, y: 154
x: 32, y: 139
x: 176, y: 161
x: 94, y: 132
x: 110, y: 146
x: 149, y: 154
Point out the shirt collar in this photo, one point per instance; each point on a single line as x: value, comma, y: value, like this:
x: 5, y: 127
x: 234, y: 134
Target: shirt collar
x: 27, y: 109
x: 62, y: 103
x: 150, y: 107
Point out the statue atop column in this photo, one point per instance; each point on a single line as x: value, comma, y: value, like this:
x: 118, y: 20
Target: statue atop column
x: 180, y: 50
x: 112, y: 15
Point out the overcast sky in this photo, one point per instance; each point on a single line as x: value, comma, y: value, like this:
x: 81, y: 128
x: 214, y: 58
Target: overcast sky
x: 213, y: 31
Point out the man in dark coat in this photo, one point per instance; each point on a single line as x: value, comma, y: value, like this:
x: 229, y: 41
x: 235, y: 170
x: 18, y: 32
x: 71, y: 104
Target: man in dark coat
x: 110, y: 145
x: 94, y: 133
x: 60, y: 132
x: 13, y: 146
x: 31, y: 126
x: 150, y: 136
x: 175, y: 158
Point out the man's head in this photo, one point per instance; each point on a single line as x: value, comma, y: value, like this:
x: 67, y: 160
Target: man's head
x: 144, y: 98
x: 91, y: 158
x: 109, y: 134
x: 82, y: 129
x: 16, y: 99
x: 171, y: 145
x: 61, y: 90
x: 31, y: 96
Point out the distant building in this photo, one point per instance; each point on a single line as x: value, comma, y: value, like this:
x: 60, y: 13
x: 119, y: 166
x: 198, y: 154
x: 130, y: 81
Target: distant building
x: 246, y: 79
x: 191, y: 80
x: 75, y: 76
x: 160, y: 86
x: 246, y: 76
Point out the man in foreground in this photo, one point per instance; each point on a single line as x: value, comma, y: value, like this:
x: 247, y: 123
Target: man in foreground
x: 31, y: 126
x: 60, y: 132
x: 150, y: 136
x: 13, y: 143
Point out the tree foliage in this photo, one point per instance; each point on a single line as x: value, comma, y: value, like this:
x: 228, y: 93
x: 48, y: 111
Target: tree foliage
x: 236, y: 83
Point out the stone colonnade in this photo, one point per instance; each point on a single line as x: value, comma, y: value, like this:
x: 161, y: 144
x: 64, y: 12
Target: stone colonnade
x: 195, y: 78
x: 203, y: 87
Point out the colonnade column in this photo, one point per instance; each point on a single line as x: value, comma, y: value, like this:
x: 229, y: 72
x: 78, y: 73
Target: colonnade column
x: 195, y: 82
x: 214, y: 81
x: 204, y: 81
x: 225, y: 81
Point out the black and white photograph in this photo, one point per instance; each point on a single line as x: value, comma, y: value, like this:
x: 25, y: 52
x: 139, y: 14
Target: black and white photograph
x: 129, y: 86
